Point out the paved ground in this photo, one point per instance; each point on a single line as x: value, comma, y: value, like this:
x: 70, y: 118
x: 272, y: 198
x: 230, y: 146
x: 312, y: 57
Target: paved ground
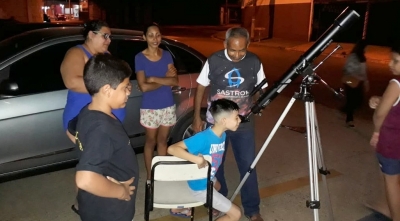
x: 282, y: 172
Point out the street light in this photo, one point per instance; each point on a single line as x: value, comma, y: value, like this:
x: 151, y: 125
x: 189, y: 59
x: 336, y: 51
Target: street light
x: 69, y: 2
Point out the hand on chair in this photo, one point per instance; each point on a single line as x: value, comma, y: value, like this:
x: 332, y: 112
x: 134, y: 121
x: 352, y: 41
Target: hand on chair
x: 201, y: 162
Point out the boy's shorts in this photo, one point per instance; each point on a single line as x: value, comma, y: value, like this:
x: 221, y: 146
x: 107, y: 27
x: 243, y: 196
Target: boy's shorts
x: 154, y: 118
x: 389, y: 166
x: 220, y: 202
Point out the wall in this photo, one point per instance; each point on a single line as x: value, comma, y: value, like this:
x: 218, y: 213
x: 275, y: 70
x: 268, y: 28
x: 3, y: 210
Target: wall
x: 22, y: 10
x: 286, y: 19
x: 95, y: 12
x: 383, y: 23
x: 186, y: 12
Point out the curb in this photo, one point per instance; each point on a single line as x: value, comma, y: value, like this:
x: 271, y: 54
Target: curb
x: 217, y: 38
x: 335, y: 55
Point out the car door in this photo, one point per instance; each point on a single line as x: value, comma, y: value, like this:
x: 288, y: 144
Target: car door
x: 32, y: 100
x: 127, y: 49
x: 189, y: 67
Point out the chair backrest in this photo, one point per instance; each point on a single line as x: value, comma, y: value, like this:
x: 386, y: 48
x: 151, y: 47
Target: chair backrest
x: 170, y: 168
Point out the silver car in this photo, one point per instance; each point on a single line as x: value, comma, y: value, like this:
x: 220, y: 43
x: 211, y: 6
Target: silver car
x: 33, y: 96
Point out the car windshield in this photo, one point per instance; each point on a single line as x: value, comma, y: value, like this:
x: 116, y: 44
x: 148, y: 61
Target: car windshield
x: 14, y: 45
x: 26, y: 37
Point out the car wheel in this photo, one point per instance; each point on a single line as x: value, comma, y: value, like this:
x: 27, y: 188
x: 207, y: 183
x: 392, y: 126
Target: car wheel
x: 184, y: 127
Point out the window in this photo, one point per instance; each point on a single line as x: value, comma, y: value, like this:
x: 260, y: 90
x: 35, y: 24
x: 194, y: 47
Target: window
x: 127, y: 50
x: 39, y: 72
x: 185, y: 62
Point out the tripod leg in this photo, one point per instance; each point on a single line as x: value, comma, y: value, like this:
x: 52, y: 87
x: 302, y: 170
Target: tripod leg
x: 314, y: 202
x: 322, y: 167
x: 274, y: 129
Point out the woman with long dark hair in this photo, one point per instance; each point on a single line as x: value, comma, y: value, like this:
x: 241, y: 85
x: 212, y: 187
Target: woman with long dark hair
x: 155, y: 74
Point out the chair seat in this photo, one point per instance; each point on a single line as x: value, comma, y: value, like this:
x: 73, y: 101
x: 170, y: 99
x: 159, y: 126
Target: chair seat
x: 173, y: 194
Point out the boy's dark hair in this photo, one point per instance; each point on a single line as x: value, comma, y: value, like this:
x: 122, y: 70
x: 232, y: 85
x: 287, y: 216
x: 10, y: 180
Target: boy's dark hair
x: 221, y: 106
x: 103, y: 69
x: 146, y: 27
x: 93, y: 25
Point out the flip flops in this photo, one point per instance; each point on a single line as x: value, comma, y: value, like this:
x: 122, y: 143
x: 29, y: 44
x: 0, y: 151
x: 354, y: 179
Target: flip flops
x: 216, y: 213
x: 73, y: 208
x: 182, y: 214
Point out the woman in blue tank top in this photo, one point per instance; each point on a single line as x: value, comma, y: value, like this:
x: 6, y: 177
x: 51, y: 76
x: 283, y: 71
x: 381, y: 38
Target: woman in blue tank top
x: 97, y: 35
x: 97, y: 39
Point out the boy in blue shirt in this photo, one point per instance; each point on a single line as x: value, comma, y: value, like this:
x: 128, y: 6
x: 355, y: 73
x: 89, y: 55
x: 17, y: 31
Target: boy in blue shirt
x: 210, y: 142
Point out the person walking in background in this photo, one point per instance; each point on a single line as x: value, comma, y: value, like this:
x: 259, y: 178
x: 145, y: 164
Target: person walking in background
x: 355, y: 81
x: 155, y: 73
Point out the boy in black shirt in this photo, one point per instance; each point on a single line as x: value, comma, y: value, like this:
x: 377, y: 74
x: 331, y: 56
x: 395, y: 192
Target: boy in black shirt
x: 107, y: 165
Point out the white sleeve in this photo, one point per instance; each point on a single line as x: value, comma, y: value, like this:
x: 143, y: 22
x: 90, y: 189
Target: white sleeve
x: 261, y: 77
x: 203, y: 76
x: 396, y: 81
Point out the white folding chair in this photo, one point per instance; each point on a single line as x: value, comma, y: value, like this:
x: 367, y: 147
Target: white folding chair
x: 168, y: 187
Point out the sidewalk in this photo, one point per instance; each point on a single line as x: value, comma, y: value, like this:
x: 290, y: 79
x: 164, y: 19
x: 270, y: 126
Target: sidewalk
x: 377, y: 54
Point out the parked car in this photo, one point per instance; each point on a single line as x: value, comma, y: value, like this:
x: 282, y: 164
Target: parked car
x: 33, y: 95
x: 9, y: 28
x: 61, y: 17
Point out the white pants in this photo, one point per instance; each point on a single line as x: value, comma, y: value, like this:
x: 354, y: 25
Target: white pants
x: 220, y: 202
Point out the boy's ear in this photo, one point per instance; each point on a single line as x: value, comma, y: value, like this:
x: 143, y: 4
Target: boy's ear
x: 106, y: 90
x: 223, y: 120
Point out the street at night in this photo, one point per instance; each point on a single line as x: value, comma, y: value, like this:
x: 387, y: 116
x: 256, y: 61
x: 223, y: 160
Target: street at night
x: 283, y: 168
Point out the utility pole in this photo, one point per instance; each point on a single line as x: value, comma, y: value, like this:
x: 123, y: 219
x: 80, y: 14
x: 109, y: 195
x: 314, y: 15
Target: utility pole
x: 69, y: 3
x: 253, y: 20
x: 364, y: 36
x: 310, y: 25
x: 226, y: 13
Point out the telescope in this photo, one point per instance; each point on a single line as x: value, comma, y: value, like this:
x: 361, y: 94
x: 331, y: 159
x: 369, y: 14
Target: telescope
x: 303, y: 65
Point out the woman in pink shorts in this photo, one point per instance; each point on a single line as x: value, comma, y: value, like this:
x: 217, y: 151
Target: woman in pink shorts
x: 155, y: 73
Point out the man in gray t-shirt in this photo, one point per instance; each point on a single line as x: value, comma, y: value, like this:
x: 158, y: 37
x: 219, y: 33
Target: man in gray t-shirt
x: 232, y: 74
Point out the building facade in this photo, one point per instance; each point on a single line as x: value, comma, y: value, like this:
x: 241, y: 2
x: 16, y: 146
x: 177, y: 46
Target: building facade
x: 307, y: 20
x: 22, y: 10
x: 379, y: 22
x: 287, y: 19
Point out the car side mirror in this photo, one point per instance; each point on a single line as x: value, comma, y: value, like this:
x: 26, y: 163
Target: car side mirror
x: 8, y: 88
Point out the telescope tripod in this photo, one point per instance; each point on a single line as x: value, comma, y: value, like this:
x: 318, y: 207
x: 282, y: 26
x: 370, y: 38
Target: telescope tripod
x: 315, y: 156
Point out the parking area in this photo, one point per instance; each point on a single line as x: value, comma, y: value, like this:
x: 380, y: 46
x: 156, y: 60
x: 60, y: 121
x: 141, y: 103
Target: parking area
x: 282, y: 172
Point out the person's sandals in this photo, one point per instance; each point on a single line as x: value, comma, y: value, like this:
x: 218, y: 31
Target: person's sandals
x: 186, y: 213
x: 73, y: 208
x: 350, y: 124
x: 256, y: 217
x: 216, y: 213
